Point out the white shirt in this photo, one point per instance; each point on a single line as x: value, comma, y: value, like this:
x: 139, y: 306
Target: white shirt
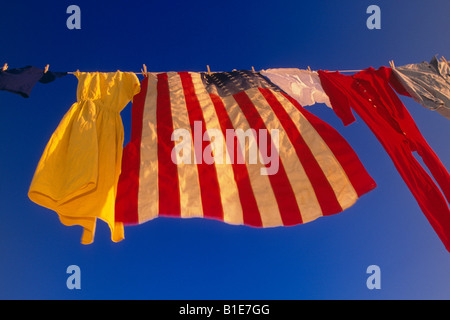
x: 302, y: 85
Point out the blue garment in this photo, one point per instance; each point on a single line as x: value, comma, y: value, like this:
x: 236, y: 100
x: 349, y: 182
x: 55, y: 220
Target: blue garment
x: 22, y: 80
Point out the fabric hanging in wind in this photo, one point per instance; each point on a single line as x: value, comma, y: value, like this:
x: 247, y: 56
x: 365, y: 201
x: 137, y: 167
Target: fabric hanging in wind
x: 318, y: 172
x: 302, y: 85
x: 428, y: 83
x: 22, y: 80
x: 78, y: 172
x: 370, y: 95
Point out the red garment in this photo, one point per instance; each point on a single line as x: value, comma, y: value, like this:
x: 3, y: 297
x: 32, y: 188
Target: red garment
x: 370, y: 95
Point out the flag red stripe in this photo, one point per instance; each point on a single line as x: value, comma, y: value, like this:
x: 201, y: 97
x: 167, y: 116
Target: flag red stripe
x: 322, y: 188
x: 287, y: 204
x: 360, y: 179
x: 251, y: 214
x: 169, y: 191
x: 207, y: 174
x: 127, y: 199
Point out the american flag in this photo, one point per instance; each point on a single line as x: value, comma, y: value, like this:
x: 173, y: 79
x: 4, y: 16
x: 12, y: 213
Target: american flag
x: 318, y: 173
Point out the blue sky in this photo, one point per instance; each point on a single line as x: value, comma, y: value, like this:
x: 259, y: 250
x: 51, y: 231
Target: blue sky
x: 197, y: 258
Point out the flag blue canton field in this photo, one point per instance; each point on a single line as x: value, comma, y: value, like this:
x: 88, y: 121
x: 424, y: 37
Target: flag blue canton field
x: 168, y: 258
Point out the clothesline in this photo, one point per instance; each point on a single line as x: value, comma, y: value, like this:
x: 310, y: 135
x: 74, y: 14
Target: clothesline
x: 391, y: 63
x: 140, y: 73
x: 144, y: 70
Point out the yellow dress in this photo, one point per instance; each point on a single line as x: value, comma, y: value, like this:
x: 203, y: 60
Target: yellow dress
x: 78, y: 172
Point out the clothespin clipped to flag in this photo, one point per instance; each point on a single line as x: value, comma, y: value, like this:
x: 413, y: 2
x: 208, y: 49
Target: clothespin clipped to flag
x: 144, y: 70
x: 309, y: 69
x: 209, y: 70
x: 391, y: 63
x: 46, y: 68
x: 253, y: 69
x: 5, y: 67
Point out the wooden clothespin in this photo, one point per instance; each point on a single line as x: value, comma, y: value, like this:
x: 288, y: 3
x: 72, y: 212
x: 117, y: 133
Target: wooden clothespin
x: 46, y: 68
x: 391, y: 63
x: 253, y: 69
x: 209, y: 70
x: 144, y: 70
x: 444, y: 60
x: 5, y: 67
x: 309, y: 69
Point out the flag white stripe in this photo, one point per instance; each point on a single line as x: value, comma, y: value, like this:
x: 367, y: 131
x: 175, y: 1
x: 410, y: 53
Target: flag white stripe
x: 190, y: 196
x: 148, y: 196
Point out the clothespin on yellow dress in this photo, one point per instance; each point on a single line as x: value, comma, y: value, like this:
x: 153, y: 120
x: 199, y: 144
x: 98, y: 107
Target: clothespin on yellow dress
x: 5, y: 67
x: 209, y: 70
x: 46, y: 68
x: 144, y: 70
